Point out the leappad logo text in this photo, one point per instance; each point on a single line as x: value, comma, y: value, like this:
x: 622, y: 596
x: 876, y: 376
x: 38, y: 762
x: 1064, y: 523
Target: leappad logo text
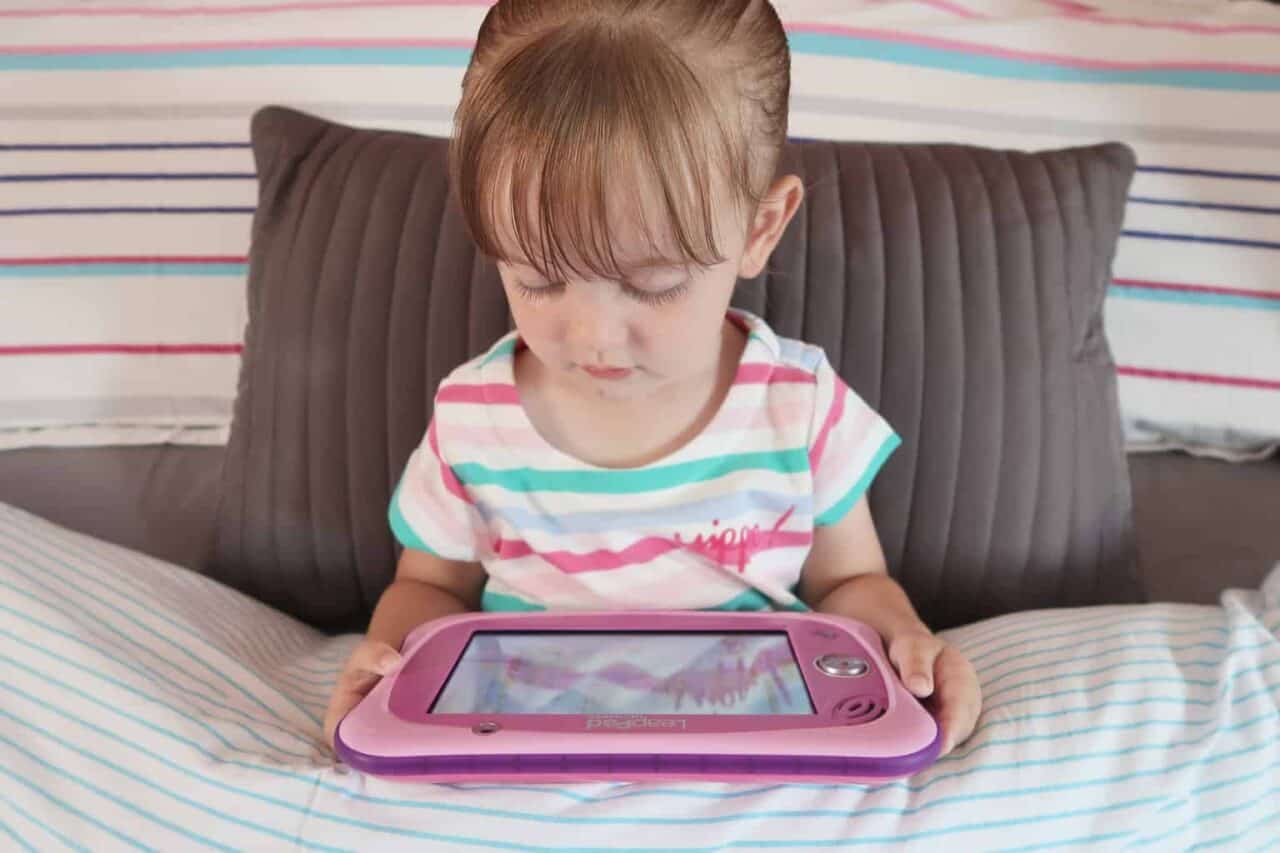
x: 630, y: 723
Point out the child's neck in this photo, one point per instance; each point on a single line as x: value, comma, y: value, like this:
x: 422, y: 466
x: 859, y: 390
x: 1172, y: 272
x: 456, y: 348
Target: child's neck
x: 627, y: 433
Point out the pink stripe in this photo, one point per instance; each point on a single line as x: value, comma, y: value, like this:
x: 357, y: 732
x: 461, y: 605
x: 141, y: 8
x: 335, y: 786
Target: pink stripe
x: 451, y: 483
x: 149, y: 11
x: 755, y: 373
x: 641, y: 551
x: 1091, y: 17
x: 124, y: 349
x: 494, y: 392
x: 1042, y: 58
x: 1196, y: 288
x: 1203, y: 378
x: 833, y: 415
x: 955, y: 9
x: 126, y: 259
x: 59, y: 49
x: 570, y: 563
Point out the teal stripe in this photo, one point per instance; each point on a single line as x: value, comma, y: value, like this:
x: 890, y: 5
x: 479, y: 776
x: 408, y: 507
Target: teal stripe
x: 94, y: 673
x: 138, y: 778
x: 841, y: 508
x: 1031, y: 68
x: 92, y: 699
x: 1194, y: 297
x: 956, y: 59
x: 149, y: 677
x: 215, y: 671
x: 1081, y: 621
x: 132, y: 842
x: 498, y: 602
x: 18, y: 839
x: 124, y: 60
x: 506, y: 347
x: 116, y: 270
x: 755, y: 600
x: 632, y: 480
x: 400, y: 526
x: 1073, y: 639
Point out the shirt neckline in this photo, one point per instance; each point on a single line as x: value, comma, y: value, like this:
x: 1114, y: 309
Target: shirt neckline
x: 761, y: 346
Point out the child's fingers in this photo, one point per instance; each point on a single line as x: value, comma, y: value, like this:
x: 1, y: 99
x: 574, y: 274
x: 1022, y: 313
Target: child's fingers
x: 375, y: 658
x: 913, y: 655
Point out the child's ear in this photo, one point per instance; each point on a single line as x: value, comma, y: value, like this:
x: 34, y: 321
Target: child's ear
x: 770, y: 221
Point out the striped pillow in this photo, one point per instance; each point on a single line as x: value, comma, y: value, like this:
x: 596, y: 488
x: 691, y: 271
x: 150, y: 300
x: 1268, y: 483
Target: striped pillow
x: 127, y: 185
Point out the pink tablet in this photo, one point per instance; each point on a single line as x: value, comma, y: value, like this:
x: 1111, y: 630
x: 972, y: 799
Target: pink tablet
x: 543, y: 697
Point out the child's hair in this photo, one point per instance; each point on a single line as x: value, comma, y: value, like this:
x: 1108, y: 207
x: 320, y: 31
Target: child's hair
x: 587, y: 99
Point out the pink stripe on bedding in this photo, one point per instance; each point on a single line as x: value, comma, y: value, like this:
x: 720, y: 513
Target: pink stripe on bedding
x: 1025, y: 56
x: 168, y: 47
x: 123, y: 349
x: 1196, y: 288
x: 245, y: 9
x: 1203, y: 378
x: 126, y: 259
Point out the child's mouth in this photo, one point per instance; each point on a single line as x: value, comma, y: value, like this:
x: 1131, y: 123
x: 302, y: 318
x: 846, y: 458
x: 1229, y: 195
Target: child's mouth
x: 611, y: 373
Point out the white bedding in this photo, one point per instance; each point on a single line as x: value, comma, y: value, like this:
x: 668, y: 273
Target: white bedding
x: 143, y: 706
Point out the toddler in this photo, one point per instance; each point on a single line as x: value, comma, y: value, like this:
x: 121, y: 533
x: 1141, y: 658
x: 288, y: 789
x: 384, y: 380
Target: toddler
x: 635, y: 443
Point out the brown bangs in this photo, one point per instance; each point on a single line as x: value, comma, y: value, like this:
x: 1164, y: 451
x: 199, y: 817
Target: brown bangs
x: 587, y: 128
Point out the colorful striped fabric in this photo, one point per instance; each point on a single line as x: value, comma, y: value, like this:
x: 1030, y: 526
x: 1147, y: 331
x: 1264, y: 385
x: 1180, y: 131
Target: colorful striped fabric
x: 723, y: 523
x: 126, y: 181
x: 145, y: 707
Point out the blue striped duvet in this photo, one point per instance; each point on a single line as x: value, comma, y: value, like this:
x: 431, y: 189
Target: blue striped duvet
x: 145, y: 707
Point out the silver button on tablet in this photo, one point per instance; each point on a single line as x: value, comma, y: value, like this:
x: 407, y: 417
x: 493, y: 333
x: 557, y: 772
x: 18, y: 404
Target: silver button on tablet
x: 842, y: 666
x: 486, y: 728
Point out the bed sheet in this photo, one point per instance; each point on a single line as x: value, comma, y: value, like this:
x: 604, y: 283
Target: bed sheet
x: 144, y: 706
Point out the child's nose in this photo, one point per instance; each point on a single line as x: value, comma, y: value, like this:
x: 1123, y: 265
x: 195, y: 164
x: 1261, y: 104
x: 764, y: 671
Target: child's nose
x: 598, y: 323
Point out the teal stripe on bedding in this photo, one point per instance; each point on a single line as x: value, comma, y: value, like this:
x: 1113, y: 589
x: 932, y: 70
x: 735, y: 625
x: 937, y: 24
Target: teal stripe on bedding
x: 171, y: 708
x: 80, y: 813
x: 1031, y: 68
x: 104, y: 270
x: 90, y: 699
x: 937, y: 780
x: 238, y: 57
x: 18, y: 839
x: 957, y: 58
x: 134, y: 668
x: 167, y: 791
x: 1195, y: 297
x: 150, y: 677
x: 233, y: 683
x: 988, y: 796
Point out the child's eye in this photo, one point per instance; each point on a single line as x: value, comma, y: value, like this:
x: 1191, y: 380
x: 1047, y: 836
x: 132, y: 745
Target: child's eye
x: 534, y: 294
x: 660, y: 297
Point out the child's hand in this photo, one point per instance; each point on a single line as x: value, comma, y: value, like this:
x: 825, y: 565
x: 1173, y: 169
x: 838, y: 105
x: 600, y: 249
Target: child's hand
x: 931, y: 668
x: 365, y: 668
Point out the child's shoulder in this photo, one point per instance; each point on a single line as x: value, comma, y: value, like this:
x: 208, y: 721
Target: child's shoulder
x: 490, y: 366
x: 789, y: 353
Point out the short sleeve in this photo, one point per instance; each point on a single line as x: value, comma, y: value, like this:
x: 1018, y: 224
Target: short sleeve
x: 848, y: 444
x: 431, y: 511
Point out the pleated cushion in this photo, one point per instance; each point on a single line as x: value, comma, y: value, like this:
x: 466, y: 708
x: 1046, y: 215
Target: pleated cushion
x: 957, y: 289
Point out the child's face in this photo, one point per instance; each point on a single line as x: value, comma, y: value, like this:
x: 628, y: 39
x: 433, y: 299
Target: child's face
x: 658, y: 329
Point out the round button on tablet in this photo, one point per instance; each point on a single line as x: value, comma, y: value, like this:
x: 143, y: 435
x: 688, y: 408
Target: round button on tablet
x: 842, y: 666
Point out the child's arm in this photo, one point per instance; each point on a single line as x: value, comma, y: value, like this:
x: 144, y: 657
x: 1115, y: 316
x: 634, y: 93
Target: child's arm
x: 846, y: 574
x: 426, y: 587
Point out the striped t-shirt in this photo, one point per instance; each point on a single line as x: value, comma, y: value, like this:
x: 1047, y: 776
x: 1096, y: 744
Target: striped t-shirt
x: 725, y: 522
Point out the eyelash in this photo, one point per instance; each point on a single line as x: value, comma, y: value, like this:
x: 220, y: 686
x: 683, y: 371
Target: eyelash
x: 665, y: 297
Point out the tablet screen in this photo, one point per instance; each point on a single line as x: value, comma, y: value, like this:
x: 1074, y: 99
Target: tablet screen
x: 556, y: 672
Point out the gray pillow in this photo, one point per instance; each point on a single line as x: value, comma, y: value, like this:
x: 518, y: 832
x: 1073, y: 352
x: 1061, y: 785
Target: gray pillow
x: 957, y: 289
